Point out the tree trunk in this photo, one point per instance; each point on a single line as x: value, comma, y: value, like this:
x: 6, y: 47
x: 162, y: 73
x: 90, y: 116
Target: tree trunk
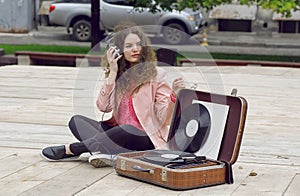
x: 95, y: 21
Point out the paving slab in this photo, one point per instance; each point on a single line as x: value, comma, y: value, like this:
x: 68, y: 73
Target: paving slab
x: 38, y: 101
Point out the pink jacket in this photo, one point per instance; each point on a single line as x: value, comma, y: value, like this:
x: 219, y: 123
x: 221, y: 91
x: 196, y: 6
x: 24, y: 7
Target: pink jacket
x: 152, y: 105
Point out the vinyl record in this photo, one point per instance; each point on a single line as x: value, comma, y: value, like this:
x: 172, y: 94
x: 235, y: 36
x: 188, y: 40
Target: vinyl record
x: 192, y: 128
x: 163, y: 157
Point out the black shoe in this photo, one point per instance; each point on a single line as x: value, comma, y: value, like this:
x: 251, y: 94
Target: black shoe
x: 57, y: 153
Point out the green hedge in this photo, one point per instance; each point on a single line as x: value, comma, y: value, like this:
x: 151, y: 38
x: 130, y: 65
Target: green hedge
x: 10, y: 49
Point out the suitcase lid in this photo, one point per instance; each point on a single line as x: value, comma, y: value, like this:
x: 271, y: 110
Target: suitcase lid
x: 234, y: 126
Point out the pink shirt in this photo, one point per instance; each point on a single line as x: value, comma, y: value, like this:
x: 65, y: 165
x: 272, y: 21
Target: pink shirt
x: 152, y: 104
x: 126, y: 114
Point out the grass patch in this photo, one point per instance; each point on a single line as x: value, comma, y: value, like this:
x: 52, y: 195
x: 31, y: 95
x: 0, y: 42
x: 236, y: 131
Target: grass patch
x: 192, y: 55
x: 10, y: 49
x: 256, y: 57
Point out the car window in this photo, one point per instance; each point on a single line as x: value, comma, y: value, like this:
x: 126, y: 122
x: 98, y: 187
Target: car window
x: 121, y: 2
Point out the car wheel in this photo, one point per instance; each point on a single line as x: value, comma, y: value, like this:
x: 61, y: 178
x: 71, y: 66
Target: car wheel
x: 82, y: 30
x: 174, y: 33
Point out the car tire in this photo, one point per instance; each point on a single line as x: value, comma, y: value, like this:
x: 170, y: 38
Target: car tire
x: 82, y: 31
x: 174, y: 33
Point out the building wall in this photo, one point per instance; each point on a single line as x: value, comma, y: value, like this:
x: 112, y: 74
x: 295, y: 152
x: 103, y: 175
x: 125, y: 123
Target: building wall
x: 18, y: 16
x: 263, y: 22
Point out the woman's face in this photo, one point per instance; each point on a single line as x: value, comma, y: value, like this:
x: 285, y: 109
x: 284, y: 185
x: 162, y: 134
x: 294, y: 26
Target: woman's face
x: 132, y: 48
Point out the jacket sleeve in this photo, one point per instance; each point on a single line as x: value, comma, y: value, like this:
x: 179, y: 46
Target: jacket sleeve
x: 105, y: 98
x: 163, y: 105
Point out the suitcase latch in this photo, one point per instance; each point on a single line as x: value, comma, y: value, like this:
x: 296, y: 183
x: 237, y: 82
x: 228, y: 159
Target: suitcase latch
x: 164, y: 175
x: 123, y: 165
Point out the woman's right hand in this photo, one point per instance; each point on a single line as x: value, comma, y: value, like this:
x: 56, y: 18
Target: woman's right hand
x: 113, y: 56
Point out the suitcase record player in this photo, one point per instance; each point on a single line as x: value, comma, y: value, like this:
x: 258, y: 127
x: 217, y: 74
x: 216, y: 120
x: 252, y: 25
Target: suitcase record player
x: 204, y: 141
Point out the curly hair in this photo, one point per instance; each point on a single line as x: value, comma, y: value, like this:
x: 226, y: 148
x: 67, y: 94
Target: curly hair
x: 131, y: 78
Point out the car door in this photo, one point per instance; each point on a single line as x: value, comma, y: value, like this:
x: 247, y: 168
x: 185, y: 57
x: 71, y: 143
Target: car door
x: 115, y: 11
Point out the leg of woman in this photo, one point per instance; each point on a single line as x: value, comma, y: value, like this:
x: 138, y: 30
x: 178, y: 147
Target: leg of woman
x: 97, y: 137
x: 84, y: 128
x: 119, y: 139
x: 116, y: 140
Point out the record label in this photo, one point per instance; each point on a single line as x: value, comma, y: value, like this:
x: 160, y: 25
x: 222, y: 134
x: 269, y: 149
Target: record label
x: 191, y: 128
x: 169, y: 156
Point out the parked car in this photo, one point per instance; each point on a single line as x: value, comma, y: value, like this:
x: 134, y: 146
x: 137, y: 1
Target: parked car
x: 76, y: 15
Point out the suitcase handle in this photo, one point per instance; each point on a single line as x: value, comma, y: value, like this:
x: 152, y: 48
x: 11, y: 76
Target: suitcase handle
x: 139, y: 168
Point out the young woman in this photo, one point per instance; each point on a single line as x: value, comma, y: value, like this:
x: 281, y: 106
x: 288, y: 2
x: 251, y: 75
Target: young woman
x: 141, y: 101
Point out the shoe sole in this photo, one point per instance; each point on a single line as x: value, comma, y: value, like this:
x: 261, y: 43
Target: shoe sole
x: 100, y: 162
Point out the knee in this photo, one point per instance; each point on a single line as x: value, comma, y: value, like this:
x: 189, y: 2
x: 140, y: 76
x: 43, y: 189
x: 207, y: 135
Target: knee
x: 126, y: 127
x: 74, y: 119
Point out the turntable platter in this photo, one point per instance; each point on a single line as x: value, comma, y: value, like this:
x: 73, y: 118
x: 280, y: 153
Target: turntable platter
x: 163, y: 157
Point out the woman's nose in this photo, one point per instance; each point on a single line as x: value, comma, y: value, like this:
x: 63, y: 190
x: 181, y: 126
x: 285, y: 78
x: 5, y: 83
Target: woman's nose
x: 135, y: 48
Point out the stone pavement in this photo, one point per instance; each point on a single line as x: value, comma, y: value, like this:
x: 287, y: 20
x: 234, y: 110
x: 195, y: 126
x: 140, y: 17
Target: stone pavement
x: 251, y: 43
x: 36, y: 103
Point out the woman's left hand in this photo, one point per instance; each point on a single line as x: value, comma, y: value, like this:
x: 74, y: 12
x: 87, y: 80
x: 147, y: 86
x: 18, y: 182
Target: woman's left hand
x: 177, y: 85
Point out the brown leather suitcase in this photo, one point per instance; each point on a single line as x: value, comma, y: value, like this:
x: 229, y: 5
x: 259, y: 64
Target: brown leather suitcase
x: 204, y: 141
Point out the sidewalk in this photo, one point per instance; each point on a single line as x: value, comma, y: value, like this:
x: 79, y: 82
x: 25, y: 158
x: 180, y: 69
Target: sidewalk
x: 35, y: 110
x: 241, y: 39
x: 251, y: 43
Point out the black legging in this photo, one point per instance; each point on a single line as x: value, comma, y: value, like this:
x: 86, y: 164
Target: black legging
x: 97, y: 136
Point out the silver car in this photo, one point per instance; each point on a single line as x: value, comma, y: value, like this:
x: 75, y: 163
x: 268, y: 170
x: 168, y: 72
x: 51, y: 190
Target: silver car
x: 76, y: 15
